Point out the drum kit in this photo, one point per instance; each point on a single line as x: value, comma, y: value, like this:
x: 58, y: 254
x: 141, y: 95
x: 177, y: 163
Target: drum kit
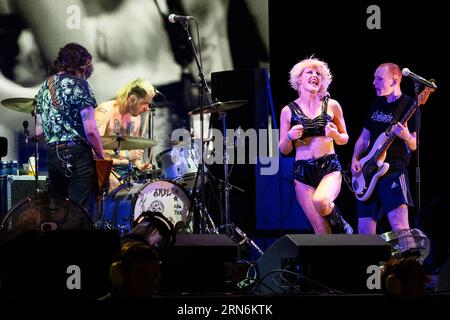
x: 172, y: 190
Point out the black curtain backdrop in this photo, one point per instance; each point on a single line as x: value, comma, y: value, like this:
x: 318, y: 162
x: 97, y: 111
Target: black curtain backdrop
x: 411, y: 35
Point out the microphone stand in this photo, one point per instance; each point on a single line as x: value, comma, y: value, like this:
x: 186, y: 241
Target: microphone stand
x: 205, y: 92
x: 36, y: 144
x: 418, y: 127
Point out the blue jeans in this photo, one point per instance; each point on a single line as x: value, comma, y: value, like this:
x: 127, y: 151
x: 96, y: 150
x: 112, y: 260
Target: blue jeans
x: 71, y: 173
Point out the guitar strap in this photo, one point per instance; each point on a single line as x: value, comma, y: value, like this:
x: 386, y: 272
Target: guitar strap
x: 398, y: 112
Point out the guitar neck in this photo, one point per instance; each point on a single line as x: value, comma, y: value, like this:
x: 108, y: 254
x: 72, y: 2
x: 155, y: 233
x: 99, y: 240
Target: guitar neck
x: 392, y: 135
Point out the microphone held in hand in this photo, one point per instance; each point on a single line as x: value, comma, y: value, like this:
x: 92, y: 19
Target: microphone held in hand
x: 174, y: 18
x: 407, y: 73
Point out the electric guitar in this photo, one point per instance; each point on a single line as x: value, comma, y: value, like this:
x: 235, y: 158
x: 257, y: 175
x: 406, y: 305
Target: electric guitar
x: 373, y: 166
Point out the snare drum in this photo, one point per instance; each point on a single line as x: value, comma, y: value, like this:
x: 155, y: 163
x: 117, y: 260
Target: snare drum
x: 125, y: 204
x: 180, y: 164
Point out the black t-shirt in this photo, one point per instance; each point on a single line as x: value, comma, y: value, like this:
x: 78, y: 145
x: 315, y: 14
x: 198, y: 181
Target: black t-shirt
x: 380, y: 116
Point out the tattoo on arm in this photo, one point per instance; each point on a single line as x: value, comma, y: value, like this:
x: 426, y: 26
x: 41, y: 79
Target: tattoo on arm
x: 130, y: 129
x: 86, y: 115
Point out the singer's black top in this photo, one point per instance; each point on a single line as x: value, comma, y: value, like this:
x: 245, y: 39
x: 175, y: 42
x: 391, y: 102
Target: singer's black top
x: 312, y: 127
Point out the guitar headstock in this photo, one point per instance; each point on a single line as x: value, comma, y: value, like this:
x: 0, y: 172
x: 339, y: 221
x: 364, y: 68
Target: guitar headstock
x: 423, y: 96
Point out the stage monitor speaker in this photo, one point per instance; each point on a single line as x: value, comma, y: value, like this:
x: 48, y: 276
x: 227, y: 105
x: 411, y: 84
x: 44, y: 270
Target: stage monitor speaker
x: 199, y: 263
x: 336, y: 261
x: 58, y: 264
x: 44, y: 212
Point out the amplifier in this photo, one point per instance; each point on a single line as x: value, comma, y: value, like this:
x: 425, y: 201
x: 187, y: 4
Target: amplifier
x: 15, y: 189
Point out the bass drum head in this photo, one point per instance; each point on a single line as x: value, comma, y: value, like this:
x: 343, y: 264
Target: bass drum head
x: 167, y: 198
x: 44, y: 213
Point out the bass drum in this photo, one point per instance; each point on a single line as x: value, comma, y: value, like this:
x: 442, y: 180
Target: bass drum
x: 124, y: 205
x: 44, y: 213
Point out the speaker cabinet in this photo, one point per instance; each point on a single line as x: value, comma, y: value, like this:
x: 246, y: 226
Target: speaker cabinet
x: 14, y: 189
x: 199, y: 263
x: 336, y: 261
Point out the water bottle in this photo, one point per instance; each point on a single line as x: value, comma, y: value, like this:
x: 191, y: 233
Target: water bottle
x: 4, y: 168
x: 14, y: 168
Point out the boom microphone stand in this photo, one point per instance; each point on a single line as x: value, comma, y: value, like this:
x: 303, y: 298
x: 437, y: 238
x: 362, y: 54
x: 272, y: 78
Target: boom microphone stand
x: 205, y: 93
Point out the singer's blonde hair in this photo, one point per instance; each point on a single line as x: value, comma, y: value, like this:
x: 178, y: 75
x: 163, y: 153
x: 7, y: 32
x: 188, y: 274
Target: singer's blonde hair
x: 297, y: 71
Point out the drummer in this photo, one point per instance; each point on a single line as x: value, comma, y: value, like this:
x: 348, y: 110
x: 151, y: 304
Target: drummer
x: 122, y: 116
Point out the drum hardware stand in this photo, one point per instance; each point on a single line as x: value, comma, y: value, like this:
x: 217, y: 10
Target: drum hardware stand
x: 206, y: 223
x: 230, y: 228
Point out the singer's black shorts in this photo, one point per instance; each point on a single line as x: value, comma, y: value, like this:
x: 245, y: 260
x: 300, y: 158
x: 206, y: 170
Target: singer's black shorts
x: 311, y: 171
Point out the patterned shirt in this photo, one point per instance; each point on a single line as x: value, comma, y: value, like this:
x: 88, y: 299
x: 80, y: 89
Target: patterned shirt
x: 59, y: 102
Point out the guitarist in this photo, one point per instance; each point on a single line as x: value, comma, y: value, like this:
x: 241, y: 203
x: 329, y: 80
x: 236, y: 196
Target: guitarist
x: 65, y: 116
x: 391, y: 194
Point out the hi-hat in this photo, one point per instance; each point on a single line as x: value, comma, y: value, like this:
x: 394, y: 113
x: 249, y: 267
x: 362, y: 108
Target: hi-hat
x: 219, y: 107
x: 127, y: 142
x: 25, y: 105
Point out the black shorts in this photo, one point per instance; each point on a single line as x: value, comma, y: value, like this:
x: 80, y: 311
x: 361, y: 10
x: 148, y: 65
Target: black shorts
x: 391, y: 191
x: 312, y: 171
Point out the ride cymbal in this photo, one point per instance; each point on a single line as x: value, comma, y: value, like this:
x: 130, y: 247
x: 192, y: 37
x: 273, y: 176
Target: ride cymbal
x: 219, y: 107
x: 127, y: 142
x: 25, y: 105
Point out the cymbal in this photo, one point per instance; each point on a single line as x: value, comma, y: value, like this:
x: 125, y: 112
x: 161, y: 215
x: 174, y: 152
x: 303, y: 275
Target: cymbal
x: 25, y: 105
x: 127, y: 142
x: 219, y: 107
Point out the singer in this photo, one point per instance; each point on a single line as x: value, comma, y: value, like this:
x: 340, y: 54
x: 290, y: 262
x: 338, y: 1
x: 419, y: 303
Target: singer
x: 312, y: 124
x: 391, y: 193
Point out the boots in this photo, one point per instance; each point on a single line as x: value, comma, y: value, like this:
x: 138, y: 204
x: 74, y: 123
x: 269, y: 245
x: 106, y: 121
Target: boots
x: 337, y: 222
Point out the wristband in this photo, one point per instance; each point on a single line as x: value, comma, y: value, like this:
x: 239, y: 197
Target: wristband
x: 289, y: 137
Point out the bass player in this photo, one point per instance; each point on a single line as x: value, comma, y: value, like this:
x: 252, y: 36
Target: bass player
x: 391, y: 193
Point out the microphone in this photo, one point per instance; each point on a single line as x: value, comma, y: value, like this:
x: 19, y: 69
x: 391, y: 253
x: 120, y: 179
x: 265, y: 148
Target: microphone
x: 174, y: 18
x: 25, y: 130
x: 407, y: 73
